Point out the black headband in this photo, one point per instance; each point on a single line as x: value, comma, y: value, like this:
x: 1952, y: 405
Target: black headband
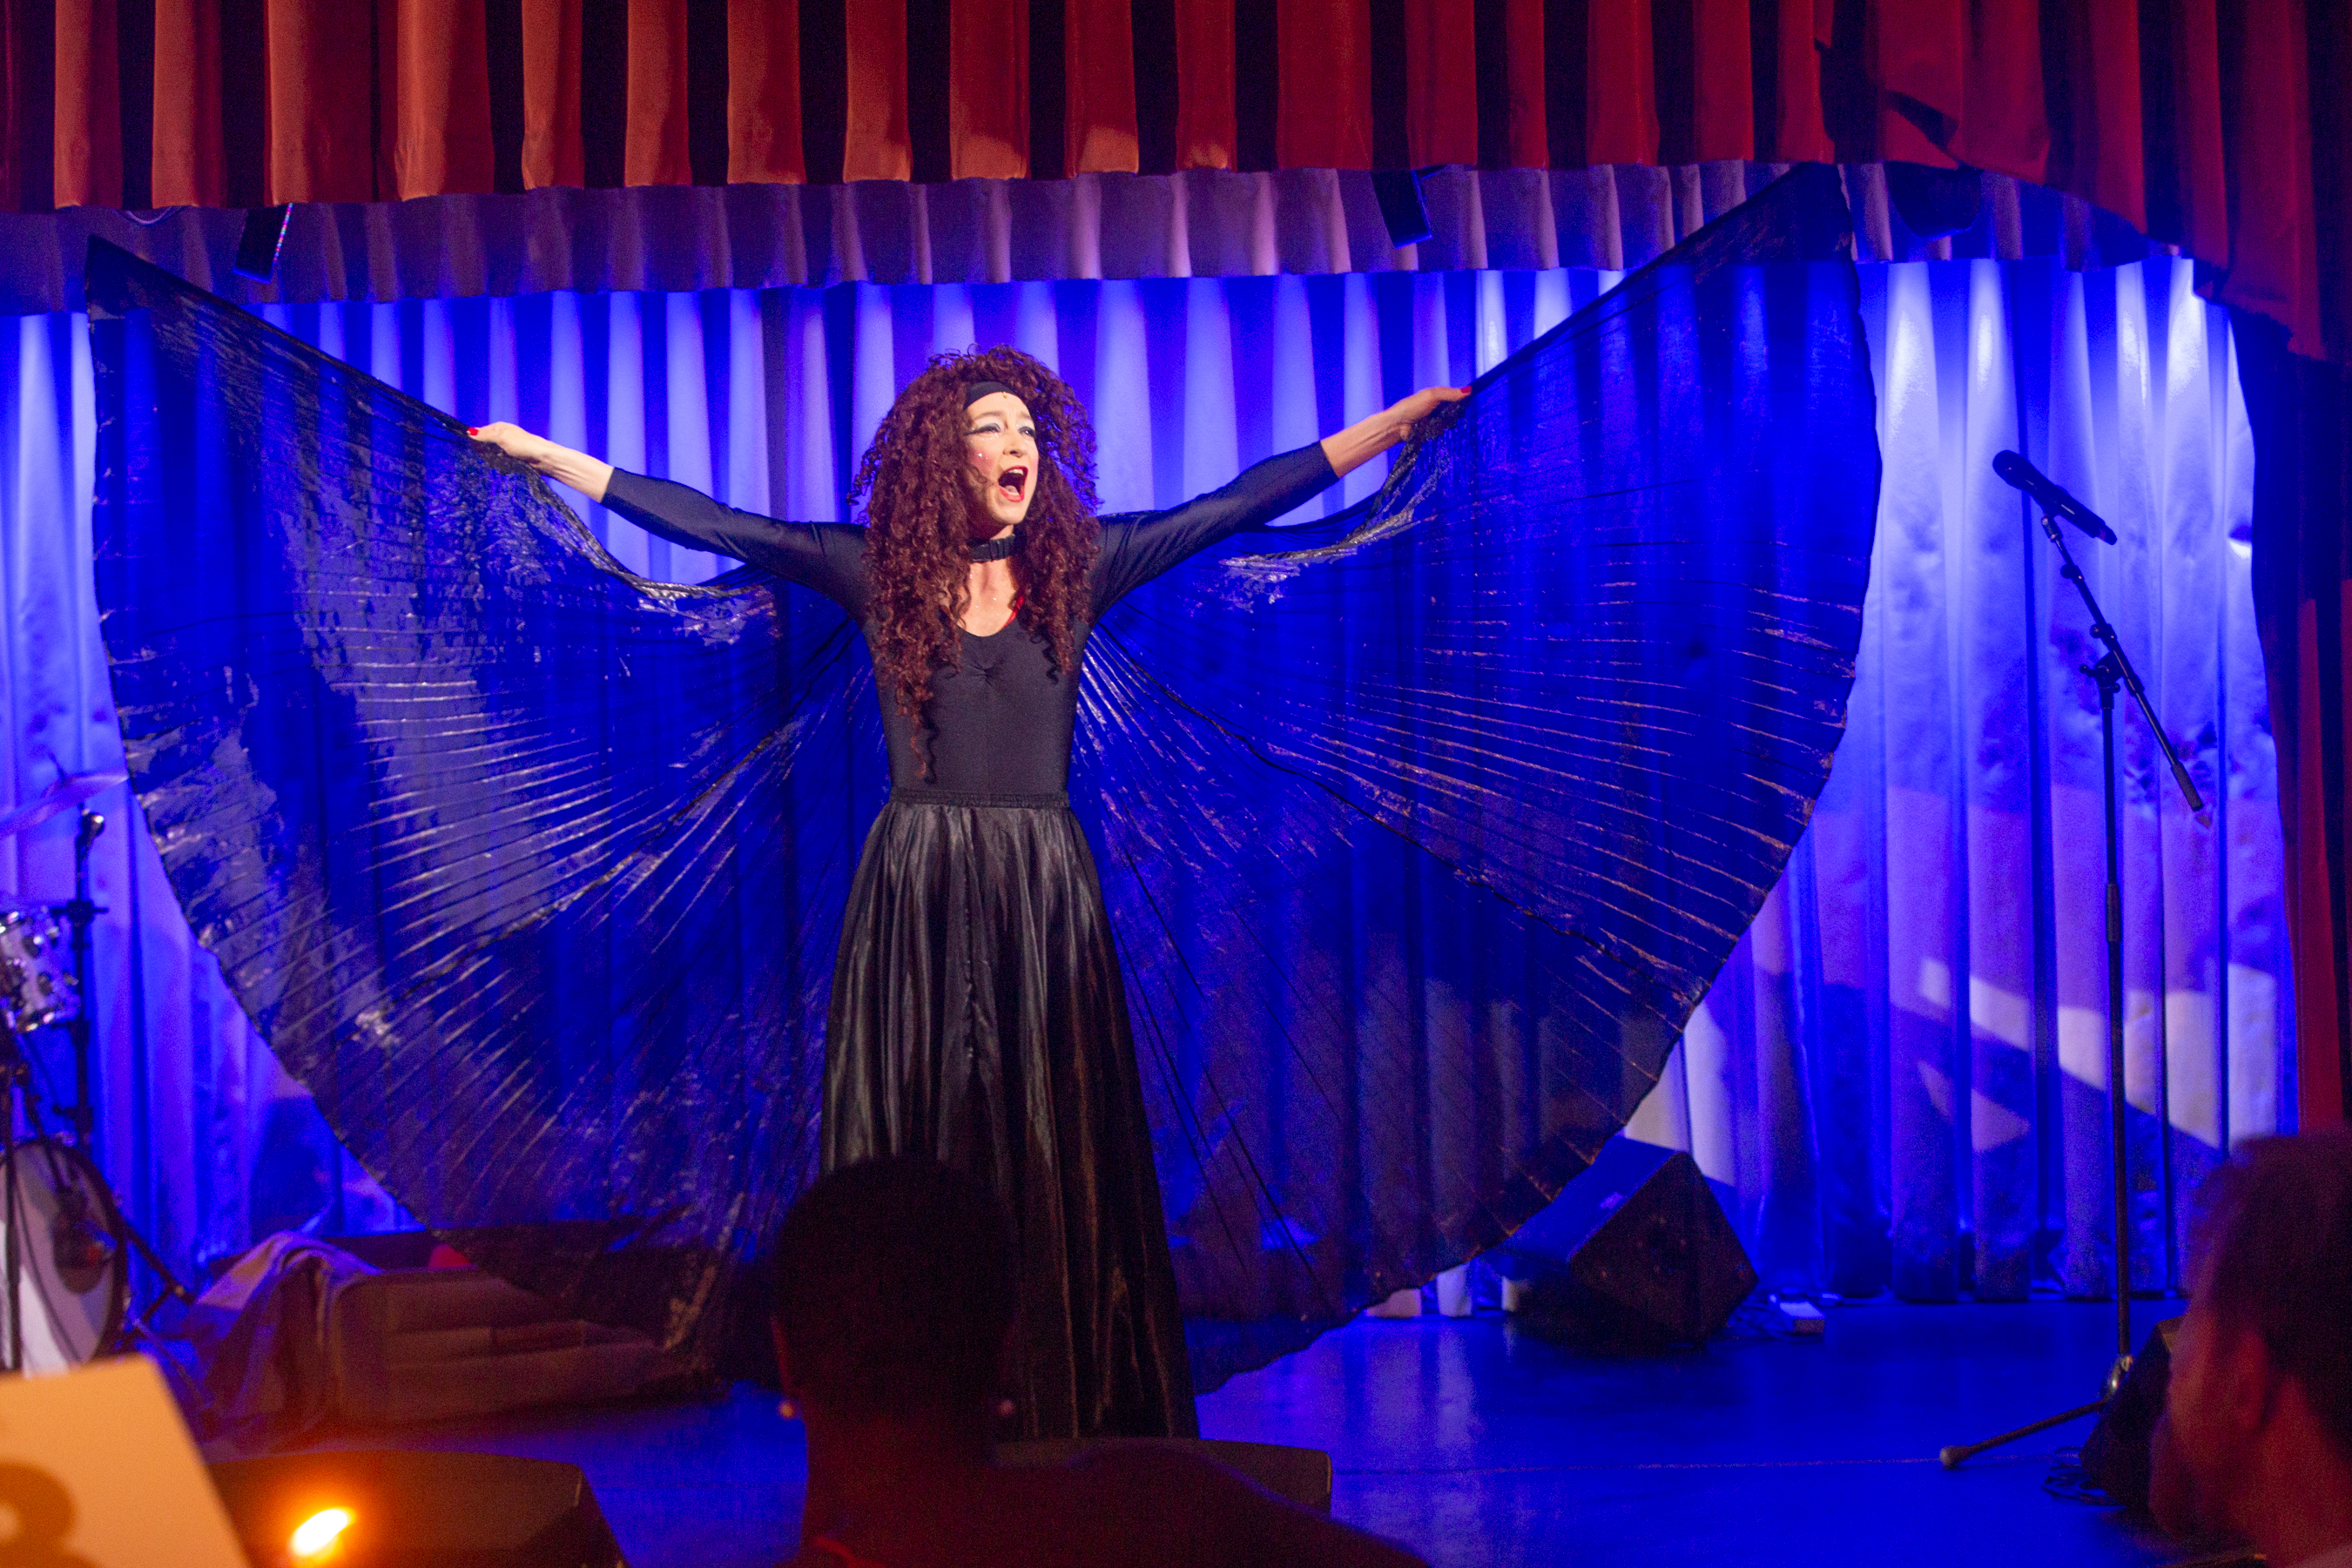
x: 979, y: 390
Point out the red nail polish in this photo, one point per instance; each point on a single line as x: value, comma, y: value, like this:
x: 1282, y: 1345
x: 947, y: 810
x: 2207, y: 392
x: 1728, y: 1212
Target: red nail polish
x: 471, y: 431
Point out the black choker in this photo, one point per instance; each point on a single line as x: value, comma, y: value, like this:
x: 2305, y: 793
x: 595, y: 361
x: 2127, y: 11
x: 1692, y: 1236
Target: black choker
x: 997, y: 550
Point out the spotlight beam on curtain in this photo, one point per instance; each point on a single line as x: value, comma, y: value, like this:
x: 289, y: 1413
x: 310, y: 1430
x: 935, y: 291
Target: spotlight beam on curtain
x: 1902, y: 1072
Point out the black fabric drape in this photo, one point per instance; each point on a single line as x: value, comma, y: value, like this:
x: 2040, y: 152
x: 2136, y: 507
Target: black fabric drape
x: 2301, y: 411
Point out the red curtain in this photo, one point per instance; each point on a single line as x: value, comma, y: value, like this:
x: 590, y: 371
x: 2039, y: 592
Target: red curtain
x: 988, y: 89
x: 2193, y: 120
x: 1098, y: 132
x: 763, y: 93
x: 878, y: 143
x: 553, y: 153
x: 1207, y: 122
x: 1442, y: 94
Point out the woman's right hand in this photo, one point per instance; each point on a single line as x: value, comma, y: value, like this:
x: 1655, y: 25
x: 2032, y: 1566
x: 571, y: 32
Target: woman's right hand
x: 583, y: 472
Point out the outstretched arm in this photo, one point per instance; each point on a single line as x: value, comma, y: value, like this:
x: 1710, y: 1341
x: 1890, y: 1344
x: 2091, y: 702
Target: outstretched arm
x: 827, y: 557
x: 1137, y: 550
x: 1367, y: 438
x: 589, y: 476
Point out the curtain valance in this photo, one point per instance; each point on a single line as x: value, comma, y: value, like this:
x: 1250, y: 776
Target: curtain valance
x: 1201, y: 223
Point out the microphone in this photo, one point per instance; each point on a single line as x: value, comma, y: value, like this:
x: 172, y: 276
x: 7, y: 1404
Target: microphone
x: 2051, y: 496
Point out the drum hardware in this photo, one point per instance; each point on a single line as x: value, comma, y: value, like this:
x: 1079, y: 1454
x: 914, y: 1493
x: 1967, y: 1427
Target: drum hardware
x: 79, y: 911
x: 70, y: 791
x: 75, y: 790
x: 64, y: 1246
x: 63, y: 1239
x: 37, y: 986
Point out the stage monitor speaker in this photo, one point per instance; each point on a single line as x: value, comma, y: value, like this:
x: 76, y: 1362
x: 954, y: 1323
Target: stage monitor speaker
x: 258, y: 244
x: 1931, y: 201
x: 403, y: 1510
x: 2116, y: 1455
x: 1634, y: 1252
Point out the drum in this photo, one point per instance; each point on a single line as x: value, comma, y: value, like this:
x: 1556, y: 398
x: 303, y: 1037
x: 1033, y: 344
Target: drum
x: 75, y: 1276
x: 37, y: 979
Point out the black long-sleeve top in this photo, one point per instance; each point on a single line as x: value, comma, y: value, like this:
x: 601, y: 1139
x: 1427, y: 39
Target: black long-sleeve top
x: 1001, y: 721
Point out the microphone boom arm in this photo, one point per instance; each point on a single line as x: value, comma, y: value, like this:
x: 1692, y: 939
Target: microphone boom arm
x: 2116, y: 659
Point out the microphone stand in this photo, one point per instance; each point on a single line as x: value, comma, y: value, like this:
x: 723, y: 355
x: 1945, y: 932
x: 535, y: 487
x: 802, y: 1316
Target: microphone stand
x: 16, y: 1081
x: 2113, y: 672
x: 80, y: 912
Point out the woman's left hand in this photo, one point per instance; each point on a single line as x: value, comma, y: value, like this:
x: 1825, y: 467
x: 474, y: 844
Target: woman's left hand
x: 1406, y: 413
x: 1367, y: 438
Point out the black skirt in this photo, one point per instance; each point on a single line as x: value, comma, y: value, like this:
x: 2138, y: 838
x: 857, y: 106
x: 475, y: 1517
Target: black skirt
x: 978, y: 1018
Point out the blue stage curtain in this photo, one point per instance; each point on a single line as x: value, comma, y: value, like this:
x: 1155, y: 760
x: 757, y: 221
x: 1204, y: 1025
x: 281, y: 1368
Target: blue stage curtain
x: 1902, y: 1070
x: 1906, y: 1047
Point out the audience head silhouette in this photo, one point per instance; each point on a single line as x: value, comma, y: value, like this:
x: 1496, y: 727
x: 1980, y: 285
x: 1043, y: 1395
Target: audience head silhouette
x: 893, y: 1315
x: 2257, y: 1434
x: 894, y: 1293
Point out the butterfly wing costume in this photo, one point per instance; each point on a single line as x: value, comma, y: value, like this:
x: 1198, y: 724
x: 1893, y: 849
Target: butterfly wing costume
x: 1396, y: 852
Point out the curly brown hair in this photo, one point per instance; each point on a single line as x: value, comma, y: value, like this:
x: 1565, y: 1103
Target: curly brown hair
x: 919, y: 558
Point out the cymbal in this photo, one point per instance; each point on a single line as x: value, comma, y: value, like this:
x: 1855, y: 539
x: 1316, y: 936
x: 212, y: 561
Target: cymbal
x: 63, y: 794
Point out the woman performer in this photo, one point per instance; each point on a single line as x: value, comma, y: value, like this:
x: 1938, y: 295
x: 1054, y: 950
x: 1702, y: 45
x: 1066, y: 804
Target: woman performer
x: 976, y: 1015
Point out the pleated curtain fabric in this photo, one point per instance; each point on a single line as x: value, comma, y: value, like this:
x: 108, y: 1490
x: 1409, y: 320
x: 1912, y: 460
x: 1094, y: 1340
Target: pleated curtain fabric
x: 1207, y: 120
x: 1617, y: 87
x: 1900, y: 1071
x: 1323, y: 96
x: 320, y: 105
x: 655, y: 148
x: 88, y: 127
x: 553, y: 152
x: 878, y: 139
x: 1098, y: 90
x: 441, y: 113
x: 988, y: 89
x: 187, y: 166
x: 763, y: 94
x: 2212, y: 127
x: 1440, y: 107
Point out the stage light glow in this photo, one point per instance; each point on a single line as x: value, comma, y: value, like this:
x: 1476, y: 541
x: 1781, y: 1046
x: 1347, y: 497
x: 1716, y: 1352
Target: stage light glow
x: 315, y: 1539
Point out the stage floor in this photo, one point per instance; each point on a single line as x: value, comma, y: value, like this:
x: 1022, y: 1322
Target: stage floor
x: 1479, y: 1443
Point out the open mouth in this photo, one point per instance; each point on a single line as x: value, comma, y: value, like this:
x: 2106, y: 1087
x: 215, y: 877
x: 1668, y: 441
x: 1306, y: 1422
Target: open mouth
x: 1012, y: 483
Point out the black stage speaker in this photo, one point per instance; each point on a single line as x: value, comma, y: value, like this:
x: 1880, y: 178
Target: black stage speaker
x: 1933, y: 202
x: 2116, y: 1455
x: 1635, y: 1252
x: 420, y: 1510
x: 258, y: 246
x: 1402, y: 207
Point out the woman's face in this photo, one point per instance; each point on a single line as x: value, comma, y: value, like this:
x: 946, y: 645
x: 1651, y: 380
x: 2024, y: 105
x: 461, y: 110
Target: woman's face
x: 1000, y: 443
